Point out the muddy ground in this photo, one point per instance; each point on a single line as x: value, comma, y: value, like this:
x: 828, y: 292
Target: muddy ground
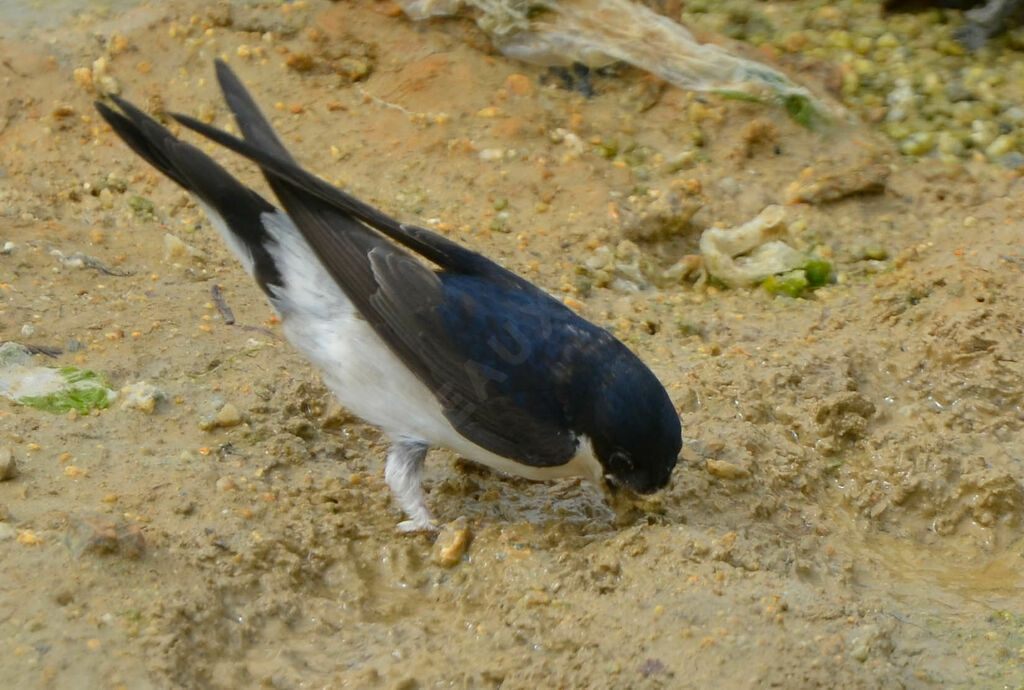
x: 847, y: 510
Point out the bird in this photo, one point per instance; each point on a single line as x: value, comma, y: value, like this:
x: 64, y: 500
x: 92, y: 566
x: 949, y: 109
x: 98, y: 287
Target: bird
x: 430, y: 341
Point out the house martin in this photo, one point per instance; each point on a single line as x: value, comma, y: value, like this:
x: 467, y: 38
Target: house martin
x: 432, y: 342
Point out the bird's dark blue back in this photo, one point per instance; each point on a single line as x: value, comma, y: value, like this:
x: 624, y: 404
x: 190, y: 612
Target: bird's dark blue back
x: 547, y: 361
x: 524, y: 344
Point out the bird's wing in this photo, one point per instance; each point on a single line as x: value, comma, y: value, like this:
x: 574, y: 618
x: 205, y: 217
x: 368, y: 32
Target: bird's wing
x: 404, y: 302
x: 401, y: 298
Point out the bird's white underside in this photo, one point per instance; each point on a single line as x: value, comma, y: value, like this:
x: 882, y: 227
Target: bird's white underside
x: 365, y: 375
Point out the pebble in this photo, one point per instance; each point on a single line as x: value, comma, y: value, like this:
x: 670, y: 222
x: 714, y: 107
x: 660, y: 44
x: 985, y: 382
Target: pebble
x: 102, y: 79
x: 918, y: 143
x: 646, y: 217
x: 228, y: 416
x: 175, y: 249
x: 452, y: 544
x: 140, y: 395
x: 519, y: 85
x: 8, y: 466
x: 95, y: 533
x: 1001, y: 145
x: 724, y: 469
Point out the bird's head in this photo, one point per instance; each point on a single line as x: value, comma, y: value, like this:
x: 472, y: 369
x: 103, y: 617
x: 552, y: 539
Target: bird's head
x: 634, y: 428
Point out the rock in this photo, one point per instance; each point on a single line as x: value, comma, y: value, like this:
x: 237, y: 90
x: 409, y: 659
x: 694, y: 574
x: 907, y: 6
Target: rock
x: 724, y: 469
x: 335, y: 416
x: 228, y: 416
x: 845, y: 415
x: 141, y: 395
x: 870, y: 178
x: 301, y: 427
x: 103, y: 534
x: 452, y: 544
x: 8, y: 466
x: 176, y: 250
x: 104, y: 82
x: 658, y: 214
x: 14, y: 354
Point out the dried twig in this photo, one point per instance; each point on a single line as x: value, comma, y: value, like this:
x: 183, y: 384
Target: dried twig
x: 222, y: 306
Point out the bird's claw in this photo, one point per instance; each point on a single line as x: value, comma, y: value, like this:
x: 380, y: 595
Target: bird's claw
x: 418, y: 527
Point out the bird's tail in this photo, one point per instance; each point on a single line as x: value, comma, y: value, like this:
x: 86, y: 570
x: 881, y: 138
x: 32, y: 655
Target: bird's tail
x: 234, y: 209
x: 254, y: 126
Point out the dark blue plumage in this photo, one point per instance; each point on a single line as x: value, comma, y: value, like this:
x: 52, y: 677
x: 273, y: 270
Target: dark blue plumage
x: 467, y: 356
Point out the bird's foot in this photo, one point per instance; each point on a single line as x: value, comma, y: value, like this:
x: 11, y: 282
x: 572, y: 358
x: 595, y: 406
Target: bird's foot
x: 419, y: 526
x: 402, y: 473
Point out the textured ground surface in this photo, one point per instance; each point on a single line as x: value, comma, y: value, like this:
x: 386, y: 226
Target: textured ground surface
x: 848, y: 510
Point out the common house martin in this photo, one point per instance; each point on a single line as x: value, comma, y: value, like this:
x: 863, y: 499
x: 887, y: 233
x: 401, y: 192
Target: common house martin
x: 463, y: 354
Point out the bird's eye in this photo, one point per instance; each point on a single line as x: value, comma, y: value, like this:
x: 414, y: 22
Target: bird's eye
x: 619, y: 461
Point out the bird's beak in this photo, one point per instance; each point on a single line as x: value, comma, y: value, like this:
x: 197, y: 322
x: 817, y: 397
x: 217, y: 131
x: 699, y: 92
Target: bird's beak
x: 612, y: 485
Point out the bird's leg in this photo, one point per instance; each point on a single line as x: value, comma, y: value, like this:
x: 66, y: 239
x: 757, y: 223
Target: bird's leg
x: 403, y: 472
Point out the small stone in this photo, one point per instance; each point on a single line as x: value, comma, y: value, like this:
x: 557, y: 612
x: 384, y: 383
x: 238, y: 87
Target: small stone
x: 353, y: 68
x: 724, y: 469
x: 536, y: 597
x: 8, y: 466
x: 857, y: 179
x: 860, y: 651
x: 7, y: 531
x: 451, y: 544
x: 102, y: 78
x: 228, y: 416
x: 83, y: 77
x: 1001, y: 145
x: 226, y: 483
x: 918, y: 143
x: 141, y: 396
x: 519, y: 85
x: 103, y: 534
x: 184, y: 507
x: 14, y: 354
x: 175, y: 249
x: 300, y: 426
x: 27, y: 537
x: 335, y: 416
x: 1012, y: 160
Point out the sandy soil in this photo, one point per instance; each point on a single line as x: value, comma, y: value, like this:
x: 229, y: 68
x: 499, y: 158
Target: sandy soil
x: 848, y: 510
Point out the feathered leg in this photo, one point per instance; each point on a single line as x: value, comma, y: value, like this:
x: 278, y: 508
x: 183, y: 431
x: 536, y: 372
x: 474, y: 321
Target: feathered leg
x: 404, y: 472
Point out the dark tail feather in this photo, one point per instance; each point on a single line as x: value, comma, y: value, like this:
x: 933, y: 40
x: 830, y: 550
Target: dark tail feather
x: 150, y: 148
x: 430, y: 245
x: 255, y: 128
x: 239, y: 207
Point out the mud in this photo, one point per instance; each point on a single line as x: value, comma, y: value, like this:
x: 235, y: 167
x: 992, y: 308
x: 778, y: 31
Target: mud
x: 847, y: 511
